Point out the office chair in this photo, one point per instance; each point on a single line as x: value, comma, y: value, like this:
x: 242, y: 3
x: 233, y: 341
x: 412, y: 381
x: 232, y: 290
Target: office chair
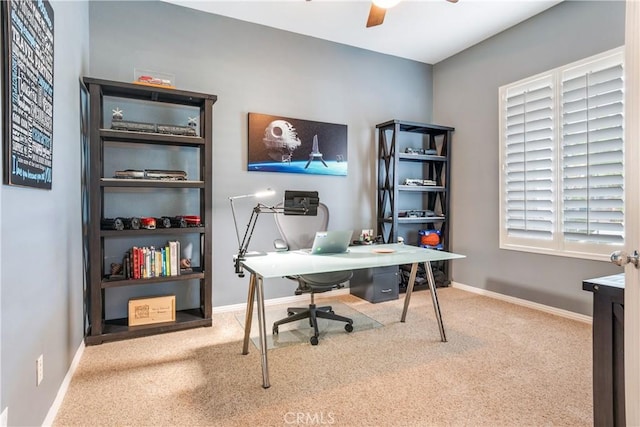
x: 298, y: 232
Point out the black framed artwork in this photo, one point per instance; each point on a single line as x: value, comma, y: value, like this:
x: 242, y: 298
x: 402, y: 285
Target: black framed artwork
x: 27, y: 79
x: 283, y: 144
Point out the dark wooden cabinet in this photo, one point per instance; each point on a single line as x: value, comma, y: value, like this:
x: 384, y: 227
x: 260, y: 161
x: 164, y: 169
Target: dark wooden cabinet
x: 414, y: 165
x: 608, y: 349
x: 108, y: 149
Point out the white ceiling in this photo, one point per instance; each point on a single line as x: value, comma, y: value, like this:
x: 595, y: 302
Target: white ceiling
x: 422, y: 30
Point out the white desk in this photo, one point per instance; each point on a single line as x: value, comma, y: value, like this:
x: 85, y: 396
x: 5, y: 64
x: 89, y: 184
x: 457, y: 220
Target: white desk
x: 280, y: 264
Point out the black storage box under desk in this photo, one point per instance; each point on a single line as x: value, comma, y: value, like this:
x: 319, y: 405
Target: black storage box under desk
x: 375, y: 284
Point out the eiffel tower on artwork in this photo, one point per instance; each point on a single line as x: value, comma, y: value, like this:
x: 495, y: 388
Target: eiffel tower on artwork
x: 315, y: 153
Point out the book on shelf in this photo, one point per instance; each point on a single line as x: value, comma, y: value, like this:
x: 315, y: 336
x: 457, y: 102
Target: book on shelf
x: 174, y: 250
x: 150, y: 261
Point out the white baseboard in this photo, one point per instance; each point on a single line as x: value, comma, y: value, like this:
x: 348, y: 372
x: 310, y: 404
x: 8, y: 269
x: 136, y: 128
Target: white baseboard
x: 62, y: 391
x: 294, y: 299
x: 534, y: 305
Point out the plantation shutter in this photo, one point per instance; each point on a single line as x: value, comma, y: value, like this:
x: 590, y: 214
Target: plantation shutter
x: 592, y: 152
x: 528, y: 159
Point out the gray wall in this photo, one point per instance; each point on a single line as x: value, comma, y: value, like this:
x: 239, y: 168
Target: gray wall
x: 466, y: 95
x: 254, y: 68
x: 41, y: 266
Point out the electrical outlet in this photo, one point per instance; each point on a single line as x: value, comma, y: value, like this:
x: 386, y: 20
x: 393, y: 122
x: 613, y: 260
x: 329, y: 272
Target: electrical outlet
x: 39, y: 369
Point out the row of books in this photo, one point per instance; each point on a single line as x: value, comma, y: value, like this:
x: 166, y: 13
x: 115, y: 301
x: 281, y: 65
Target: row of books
x: 150, y: 261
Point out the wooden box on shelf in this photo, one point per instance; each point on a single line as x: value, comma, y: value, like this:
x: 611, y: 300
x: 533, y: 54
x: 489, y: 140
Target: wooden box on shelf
x: 148, y: 310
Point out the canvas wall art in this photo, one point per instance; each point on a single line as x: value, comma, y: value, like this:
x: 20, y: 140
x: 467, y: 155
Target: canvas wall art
x: 283, y: 144
x: 27, y: 74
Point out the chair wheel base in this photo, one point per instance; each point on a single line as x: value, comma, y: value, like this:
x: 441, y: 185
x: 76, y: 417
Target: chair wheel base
x: 313, y: 340
x: 348, y: 327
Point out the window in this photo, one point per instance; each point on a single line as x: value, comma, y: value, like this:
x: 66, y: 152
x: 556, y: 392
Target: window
x: 561, y: 154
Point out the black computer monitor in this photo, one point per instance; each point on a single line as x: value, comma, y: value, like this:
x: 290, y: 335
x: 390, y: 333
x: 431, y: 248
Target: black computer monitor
x: 301, y: 202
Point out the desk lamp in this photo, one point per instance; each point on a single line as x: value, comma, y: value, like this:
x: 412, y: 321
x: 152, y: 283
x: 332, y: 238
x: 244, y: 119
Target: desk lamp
x: 295, y: 203
x: 244, y: 244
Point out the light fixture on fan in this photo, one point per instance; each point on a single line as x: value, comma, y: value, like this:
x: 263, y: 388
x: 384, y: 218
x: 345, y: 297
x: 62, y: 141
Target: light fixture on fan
x: 379, y: 8
x: 385, y: 4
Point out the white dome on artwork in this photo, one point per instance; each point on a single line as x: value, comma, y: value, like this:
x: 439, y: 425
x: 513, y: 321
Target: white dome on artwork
x: 280, y: 139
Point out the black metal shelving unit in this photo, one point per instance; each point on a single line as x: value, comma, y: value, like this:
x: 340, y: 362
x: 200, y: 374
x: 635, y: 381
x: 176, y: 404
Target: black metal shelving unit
x: 403, y: 210
x: 99, y: 329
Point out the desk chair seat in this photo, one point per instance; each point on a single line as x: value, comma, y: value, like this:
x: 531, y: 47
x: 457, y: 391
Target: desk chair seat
x: 298, y: 231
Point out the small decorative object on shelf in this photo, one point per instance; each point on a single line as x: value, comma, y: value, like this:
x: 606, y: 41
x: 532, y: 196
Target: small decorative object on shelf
x: 185, y: 261
x: 161, y: 174
x: 192, y: 220
x: 145, y: 311
x: 428, y: 151
x: 163, y: 222
x: 154, y: 78
x: 116, y: 270
x: 117, y: 114
x: 112, y: 224
x: 185, y: 266
x: 178, y: 222
x: 148, y: 223
x: 367, y: 237
x: 154, y: 81
x: 419, y: 181
x: 430, y: 239
x: 132, y: 223
x: 416, y: 213
x: 193, y: 123
x: 118, y: 123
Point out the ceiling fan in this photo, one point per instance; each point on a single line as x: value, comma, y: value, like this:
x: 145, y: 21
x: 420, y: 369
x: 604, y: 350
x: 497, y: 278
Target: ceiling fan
x: 379, y: 8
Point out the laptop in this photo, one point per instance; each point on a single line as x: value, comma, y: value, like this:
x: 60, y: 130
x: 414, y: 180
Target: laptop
x: 330, y: 242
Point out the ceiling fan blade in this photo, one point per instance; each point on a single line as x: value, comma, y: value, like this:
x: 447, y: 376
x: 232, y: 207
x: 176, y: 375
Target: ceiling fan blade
x: 376, y: 16
x: 452, y: 1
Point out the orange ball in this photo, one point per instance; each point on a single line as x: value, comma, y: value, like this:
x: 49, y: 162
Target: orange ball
x: 430, y: 239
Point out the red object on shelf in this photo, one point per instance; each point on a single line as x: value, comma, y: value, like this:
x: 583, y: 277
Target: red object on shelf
x: 192, y: 220
x: 148, y: 223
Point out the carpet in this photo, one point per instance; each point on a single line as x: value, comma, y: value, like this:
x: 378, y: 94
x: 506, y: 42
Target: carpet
x: 503, y: 366
x: 299, y: 332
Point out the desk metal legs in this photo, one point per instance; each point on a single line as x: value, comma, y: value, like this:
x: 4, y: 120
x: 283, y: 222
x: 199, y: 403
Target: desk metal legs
x: 407, y: 296
x: 256, y: 290
x: 256, y: 293
x: 432, y: 290
x: 434, y: 299
x: 249, y: 315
